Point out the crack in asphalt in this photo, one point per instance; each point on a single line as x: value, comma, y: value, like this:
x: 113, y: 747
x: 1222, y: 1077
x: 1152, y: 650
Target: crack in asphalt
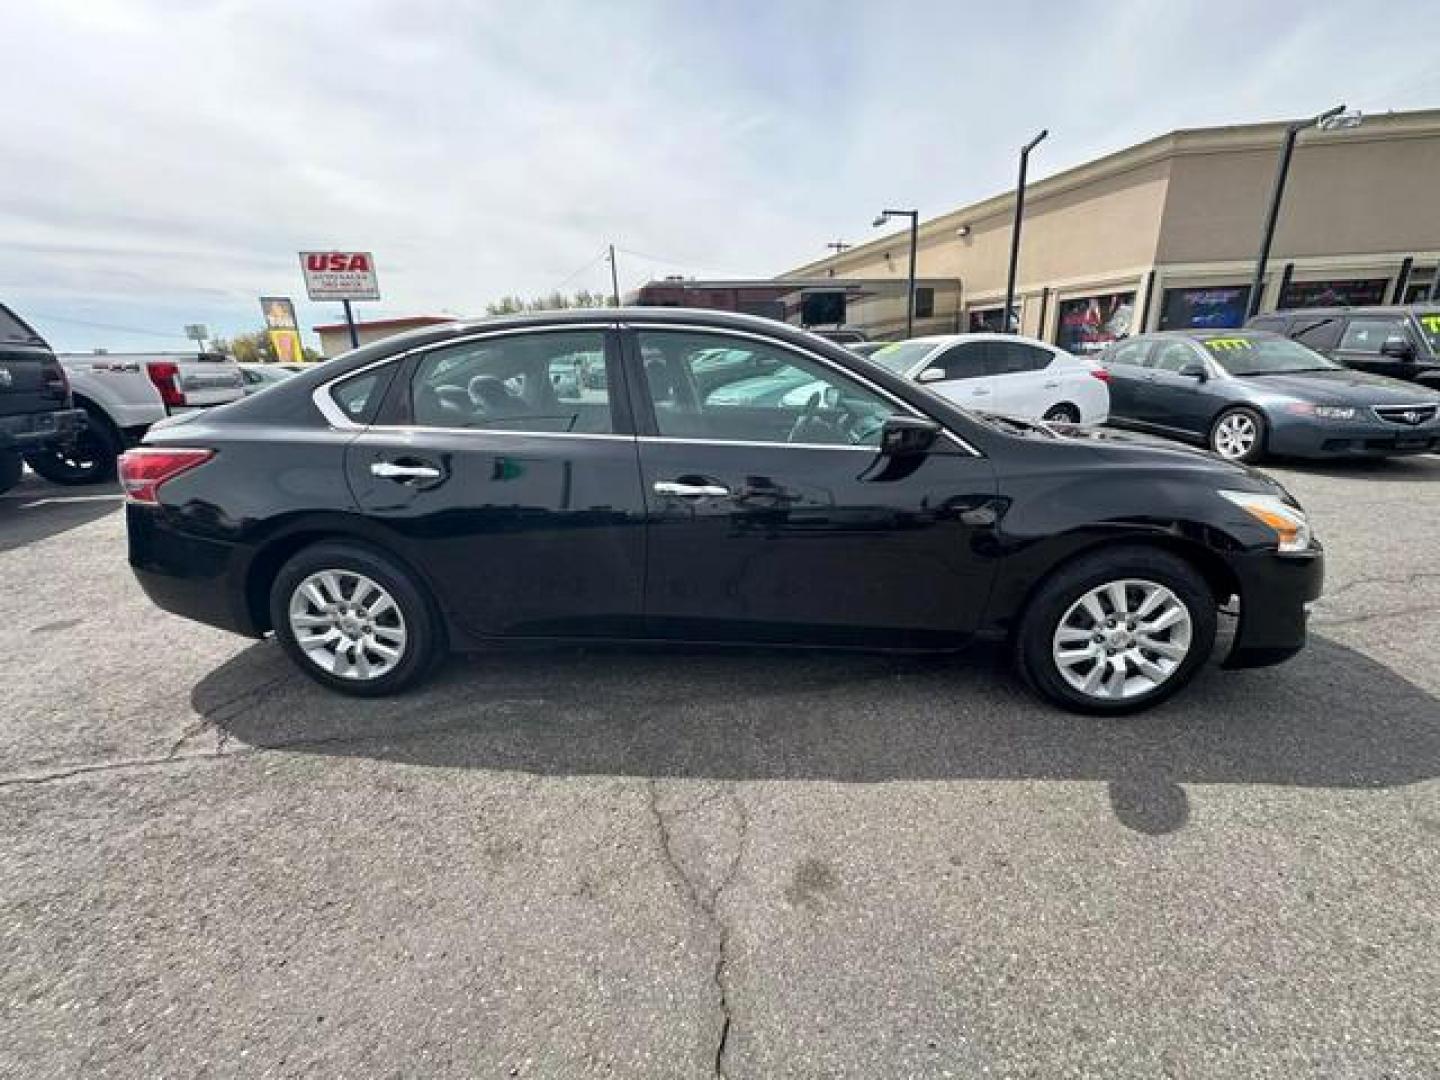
x: 1408, y: 579
x: 1321, y: 620
x: 707, y: 905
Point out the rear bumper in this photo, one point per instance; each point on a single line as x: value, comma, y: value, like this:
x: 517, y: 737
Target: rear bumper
x: 1275, y: 594
x: 187, y: 575
x: 31, y: 431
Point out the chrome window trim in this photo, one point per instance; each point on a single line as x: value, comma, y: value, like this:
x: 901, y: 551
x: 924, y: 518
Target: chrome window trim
x: 336, y: 417
x: 831, y: 364
x: 758, y: 442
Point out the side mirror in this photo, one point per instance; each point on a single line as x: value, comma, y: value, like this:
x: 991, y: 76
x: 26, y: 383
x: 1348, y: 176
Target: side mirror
x: 931, y: 374
x: 1397, y: 349
x: 1195, y: 370
x: 907, y: 437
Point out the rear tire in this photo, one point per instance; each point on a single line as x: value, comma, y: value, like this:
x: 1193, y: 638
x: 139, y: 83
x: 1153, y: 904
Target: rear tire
x: 11, y: 467
x: 89, y: 459
x: 1062, y: 414
x: 1157, y: 643
x: 368, y: 626
x: 1238, y: 434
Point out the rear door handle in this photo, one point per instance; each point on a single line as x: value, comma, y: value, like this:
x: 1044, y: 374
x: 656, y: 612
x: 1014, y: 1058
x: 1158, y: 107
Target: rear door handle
x: 390, y: 470
x: 690, y: 491
x: 1051, y: 385
x: 980, y: 393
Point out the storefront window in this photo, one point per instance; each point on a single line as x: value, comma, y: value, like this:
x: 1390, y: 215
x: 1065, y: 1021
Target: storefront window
x: 1219, y: 308
x: 1350, y: 293
x: 1417, y: 293
x: 988, y: 321
x: 1090, y: 323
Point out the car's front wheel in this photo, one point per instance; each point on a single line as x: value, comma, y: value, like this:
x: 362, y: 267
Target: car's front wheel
x: 1117, y: 631
x: 355, y: 620
x: 1238, y: 434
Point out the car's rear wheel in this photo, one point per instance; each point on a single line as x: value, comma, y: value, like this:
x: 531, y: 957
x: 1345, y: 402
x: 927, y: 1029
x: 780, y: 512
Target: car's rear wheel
x: 355, y: 620
x: 1238, y: 434
x: 1062, y: 414
x: 1117, y: 631
x: 89, y: 458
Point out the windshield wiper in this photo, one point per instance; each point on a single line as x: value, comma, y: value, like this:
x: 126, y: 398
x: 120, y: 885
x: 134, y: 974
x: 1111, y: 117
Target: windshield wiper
x: 1016, y: 423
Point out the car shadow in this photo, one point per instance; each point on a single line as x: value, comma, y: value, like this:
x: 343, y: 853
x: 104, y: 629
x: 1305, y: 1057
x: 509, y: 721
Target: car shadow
x: 36, y: 510
x: 1331, y: 718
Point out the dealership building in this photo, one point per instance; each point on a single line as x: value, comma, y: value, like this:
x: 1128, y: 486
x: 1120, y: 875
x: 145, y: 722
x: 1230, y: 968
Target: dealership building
x: 1165, y: 234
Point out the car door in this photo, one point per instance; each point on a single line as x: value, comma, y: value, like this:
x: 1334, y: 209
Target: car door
x: 769, y: 520
x: 1126, y: 363
x: 1020, y: 382
x: 505, y: 470
x: 1172, y: 400
x: 1378, y: 344
x: 965, y: 375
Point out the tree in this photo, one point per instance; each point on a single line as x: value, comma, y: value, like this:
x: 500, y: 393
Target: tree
x: 255, y: 348
x: 555, y: 301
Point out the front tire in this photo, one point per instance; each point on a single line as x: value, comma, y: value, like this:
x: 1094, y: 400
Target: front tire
x: 89, y: 459
x: 1116, y: 631
x: 1238, y: 434
x: 355, y: 620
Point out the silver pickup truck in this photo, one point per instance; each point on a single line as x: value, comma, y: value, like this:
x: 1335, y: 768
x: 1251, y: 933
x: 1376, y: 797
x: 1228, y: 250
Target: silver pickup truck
x: 122, y: 395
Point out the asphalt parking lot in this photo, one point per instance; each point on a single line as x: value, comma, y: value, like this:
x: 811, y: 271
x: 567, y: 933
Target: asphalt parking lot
x: 671, y: 864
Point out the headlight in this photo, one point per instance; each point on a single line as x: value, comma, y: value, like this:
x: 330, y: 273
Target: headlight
x: 1322, y: 412
x: 1292, y: 529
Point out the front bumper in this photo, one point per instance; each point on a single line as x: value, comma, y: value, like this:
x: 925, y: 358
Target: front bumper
x: 31, y: 431
x: 1292, y: 437
x: 1275, y: 594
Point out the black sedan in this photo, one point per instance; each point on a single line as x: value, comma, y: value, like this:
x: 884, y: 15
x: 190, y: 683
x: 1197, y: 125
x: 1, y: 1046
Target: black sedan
x: 1249, y: 393
x: 458, y: 487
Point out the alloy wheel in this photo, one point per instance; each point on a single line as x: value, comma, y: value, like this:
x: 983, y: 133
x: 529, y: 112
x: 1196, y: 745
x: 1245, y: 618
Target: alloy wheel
x: 1122, y: 639
x: 1235, y: 436
x: 347, y: 624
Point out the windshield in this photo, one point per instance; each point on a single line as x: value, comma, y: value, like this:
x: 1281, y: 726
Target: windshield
x: 902, y: 356
x: 1264, y: 355
x: 1430, y: 327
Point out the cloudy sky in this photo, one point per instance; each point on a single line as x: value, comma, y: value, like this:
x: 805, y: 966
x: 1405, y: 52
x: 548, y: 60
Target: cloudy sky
x: 165, y: 160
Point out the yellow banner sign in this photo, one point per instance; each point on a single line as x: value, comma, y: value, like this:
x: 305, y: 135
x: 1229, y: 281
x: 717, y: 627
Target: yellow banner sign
x: 286, y: 346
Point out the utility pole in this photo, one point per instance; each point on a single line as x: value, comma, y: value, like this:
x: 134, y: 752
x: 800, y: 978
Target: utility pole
x: 1277, y: 192
x: 914, y: 217
x: 1005, y: 326
x: 614, y: 279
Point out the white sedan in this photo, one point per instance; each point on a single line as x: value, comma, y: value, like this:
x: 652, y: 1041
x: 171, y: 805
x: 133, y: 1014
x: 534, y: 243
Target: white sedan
x: 1004, y: 373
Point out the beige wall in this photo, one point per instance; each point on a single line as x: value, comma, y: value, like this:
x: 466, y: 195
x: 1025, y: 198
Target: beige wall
x: 1345, y: 194
x: 1190, y: 205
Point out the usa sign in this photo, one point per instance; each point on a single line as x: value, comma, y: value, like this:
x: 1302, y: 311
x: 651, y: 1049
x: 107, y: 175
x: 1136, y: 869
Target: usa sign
x: 340, y: 275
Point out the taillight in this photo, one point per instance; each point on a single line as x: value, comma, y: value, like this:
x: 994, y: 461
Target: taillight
x: 164, y: 375
x: 145, y: 468
x: 56, y: 381
x: 1103, y: 374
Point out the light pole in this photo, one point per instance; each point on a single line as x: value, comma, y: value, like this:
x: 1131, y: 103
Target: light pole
x: 1005, y: 327
x: 914, y: 216
x: 1278, y: 191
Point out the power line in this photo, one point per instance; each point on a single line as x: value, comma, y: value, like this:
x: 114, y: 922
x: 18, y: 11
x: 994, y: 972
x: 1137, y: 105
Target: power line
x: 572, y: 276
x: 105, y: 326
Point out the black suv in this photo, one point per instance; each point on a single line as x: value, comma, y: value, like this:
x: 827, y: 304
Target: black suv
x: 35, y: 406
x: 1402, y: 342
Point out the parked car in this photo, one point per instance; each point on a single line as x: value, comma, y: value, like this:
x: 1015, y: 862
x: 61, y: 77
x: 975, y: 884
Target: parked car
x: 372, y: 520
x: 37, y: 412
x: 1248, y: 393
x: 122, y: 395
x: 1401, y: 342
x: 843, y: 335
x: 1004, y: 373
x: 259, y: 376
x: 867, y: 348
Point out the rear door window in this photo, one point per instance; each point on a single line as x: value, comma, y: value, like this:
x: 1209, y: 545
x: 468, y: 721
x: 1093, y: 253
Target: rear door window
x: 1320, y: 333
x: 1127, y: 354
x: 1173, y: 356
x: 548, y: 382
x: 1017, y: 358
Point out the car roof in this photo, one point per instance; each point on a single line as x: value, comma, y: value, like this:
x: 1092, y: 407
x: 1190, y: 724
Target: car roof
x: 1369, y: 309
x: 1204, y: 335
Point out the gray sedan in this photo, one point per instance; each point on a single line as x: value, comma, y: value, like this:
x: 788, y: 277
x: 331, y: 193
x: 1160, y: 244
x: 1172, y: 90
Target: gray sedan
x: 1246, y: 393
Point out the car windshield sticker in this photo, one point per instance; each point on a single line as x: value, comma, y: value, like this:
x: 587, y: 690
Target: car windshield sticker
x: 1431, y: 323
x: 1222, y: 343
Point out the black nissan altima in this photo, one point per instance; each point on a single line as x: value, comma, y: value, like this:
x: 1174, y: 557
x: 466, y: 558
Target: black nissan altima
x: 728, y: 480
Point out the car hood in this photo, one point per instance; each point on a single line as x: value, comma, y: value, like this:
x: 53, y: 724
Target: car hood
x: 1344, y: 387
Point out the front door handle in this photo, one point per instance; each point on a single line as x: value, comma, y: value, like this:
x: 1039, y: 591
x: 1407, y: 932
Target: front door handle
x: 390, y: 470
x: 690, y: 491
x: 980, y: 393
